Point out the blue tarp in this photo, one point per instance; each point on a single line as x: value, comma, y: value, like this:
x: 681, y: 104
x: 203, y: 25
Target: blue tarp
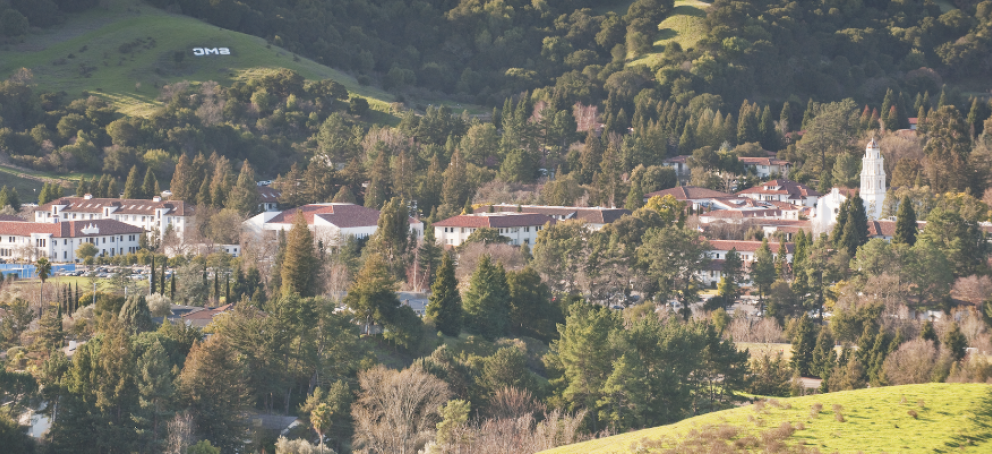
x: 28, y: 271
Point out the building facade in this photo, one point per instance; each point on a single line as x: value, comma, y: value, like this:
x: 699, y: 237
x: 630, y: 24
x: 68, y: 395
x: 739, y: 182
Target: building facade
x: 58, y: 241
x: 873, y: 180
x: 330, y: 222
x: 520, y: 228
x: 155, y: 215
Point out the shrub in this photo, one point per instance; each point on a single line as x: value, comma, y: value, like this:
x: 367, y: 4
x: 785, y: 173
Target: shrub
x: 837, y: 413
x: 814, y: 411
x: 912, y: 413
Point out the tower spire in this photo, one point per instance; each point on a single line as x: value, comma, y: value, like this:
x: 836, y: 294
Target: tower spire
x: 873, y: 180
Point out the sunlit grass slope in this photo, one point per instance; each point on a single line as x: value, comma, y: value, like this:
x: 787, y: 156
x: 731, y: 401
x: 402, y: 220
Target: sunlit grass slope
x: 949, y: 418
x: 85, y: 55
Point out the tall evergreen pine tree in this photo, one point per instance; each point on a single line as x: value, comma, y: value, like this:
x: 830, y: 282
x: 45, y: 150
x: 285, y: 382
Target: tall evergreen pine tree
x: 445, y: 303
x: 905, y: 223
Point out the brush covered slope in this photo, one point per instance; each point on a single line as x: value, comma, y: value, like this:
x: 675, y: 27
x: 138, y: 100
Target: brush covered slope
x: 125, y: 50
x: 911, y: 419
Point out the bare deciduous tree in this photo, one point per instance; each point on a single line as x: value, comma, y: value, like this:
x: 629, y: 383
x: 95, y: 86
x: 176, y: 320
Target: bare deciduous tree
x: 468, y: 259
x: 523, y: 434
x: 397, y: 411
x: 744, y: 329
x: 180, y: 433
x: 914, y: 362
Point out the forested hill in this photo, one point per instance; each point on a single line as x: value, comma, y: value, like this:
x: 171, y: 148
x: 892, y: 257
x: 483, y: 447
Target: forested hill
x: 487, y: 50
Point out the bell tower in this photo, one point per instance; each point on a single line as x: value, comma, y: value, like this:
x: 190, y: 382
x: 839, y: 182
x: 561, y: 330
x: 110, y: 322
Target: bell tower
x: 873, y: 180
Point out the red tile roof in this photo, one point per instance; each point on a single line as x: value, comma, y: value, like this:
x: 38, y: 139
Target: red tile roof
x: 341, y: 215
x: 791, y: 188
x: 592, y: 215
x: 496, y: 220
x: 687, y: 192
x: 747, y: 246
x: 884, y: 228
x: 124, y: 206
x: 69, y: 229
x: 268, y: 194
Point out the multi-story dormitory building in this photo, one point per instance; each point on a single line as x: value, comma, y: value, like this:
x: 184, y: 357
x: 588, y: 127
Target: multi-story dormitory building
x: 154, y: 215
x: 58, y: 241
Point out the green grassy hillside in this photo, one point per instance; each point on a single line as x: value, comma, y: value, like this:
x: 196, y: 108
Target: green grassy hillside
x: 684, y: 26
x: 124, y: 51
x: 949, y: 418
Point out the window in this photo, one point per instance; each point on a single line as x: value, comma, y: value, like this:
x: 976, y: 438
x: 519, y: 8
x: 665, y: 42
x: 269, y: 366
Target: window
x: 104, y: 240
x: 526, y: 229
x: 112, y: 239
x: 11, y: 239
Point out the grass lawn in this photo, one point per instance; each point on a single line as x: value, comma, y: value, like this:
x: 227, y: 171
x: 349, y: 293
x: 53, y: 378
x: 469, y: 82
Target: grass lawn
x: 27, y: 189
x: 84, y: 55
x: 953, y: 418
x: 684, y: 26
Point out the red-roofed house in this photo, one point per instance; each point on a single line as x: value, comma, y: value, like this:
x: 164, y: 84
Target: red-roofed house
x: 595, y: 217
x: 328, y: 221
x: 268, y: 198
x: 152, y: 215
x: 765, y: 167
x: 691, y: 195
x: 782, y: 191
x: 520, y: 228
x: 58, y: 241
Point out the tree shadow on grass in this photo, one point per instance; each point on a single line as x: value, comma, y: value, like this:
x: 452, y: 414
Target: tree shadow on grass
x: 979, y: 432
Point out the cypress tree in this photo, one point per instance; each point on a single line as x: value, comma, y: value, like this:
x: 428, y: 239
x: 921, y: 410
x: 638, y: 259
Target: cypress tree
x: 487, y: 302
x: 149, y: 184
x: 803, y: 344
x: 344, y: 195
x: 112, y: 190
x: 635, y: 197
x: 217, y: 287
x: 928, y: 333
x: 808, y: 114
x: 4, y: 196
x: 172, y: 288
x: 82, y: 188
x: 785, y: 118
x: 151, y: 282
x: 445, y: 303
x: 856, y: 229
x: 135, y: 314
x: 243, y: 197
x: 886, y: 107
x: 43, y: 195
x: 842, y: 215
x: 956, y: 342
x: 687, y: 142
x: 132, y: 188
x: 203, y: 196
x: 182, y: 181
x: 429, y: 254
x: 377, y: 192
x: 973, y: 120
x: 299, y: 266
x: 769, y: 135
x: 905, y: 223
x: 824, y: 358
x: 161, y: 280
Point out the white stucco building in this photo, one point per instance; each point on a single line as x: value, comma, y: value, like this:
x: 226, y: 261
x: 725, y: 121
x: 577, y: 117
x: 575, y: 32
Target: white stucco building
x: 520, y: 228
x: 782, y: 191
x: 765, y: 167
x: 329, y: 222
x: 58, y: 241
x: 151, y: 215
x: 873, y: 180
x: 872, y: 192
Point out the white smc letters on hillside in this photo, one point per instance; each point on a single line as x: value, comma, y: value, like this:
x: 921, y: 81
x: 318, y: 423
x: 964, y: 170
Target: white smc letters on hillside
x: 202, y: 51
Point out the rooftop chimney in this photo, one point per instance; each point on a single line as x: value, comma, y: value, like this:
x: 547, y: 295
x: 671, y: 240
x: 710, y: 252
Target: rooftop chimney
x: 156, y: 199
x: 87, y: 196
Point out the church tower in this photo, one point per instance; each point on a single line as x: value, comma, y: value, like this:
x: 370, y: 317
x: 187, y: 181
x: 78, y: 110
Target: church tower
x: 873, y: 180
